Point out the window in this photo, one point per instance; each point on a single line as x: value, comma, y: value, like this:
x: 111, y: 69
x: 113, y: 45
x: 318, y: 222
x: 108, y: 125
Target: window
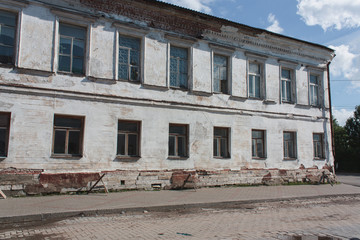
x: 71, y: 49
x: 68, y: 135
x: 318, y: 141
x: 286, y: 85
x: 7, y: 37
x: 4, y: 133
x: 258, y: 144
x: 220, y: 74
x: 289, y: 145
x: 314, y: 90
x: 129, y: 58
x: 254, y: 80
x: 221, y: 142
x: 128, y: 144
x: 178, y: 140
x: 178, y: 67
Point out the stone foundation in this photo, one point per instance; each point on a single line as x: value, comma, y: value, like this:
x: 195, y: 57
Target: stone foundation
x: 22, y: 182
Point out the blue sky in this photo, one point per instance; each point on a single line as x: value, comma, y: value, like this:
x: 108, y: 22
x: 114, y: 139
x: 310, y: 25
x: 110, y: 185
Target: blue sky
x: 332, y: 23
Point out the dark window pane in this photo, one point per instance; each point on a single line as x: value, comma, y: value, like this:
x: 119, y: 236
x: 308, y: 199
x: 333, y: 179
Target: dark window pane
x: 4, y: 120
x: 134, y: 74
x: 65, y: 46
x: 129, y: 42
x: 72, y: 31
x: 64, y: 63
x: 74, y: 142
x: 7, y: 18
x: 121, y: 144
x: 7, y: 35
x: 285, y: 73
x: 181, y: 146
x: 259, y: 148
x: 6, y: 54
x: 123, y: 56
x: 59, y: 142
x: 254, y: 68
x: 171, y: 146
x: 78, y: 64
x: 257, y: 86
x: 132, y: 145
x: 253, y: 147
x: 123, y: 72
x: 78, y: 48
x: 224, y: 86
x: 215, y: 147
x: 223, y: 147
x: 220, y: 60
x: 313, y: 79
x: 134, y: 58
x: 222, y: 132
x: 177, y: 129
x: 128, y: 126
x: 3, y: 140
x: 67, y: 122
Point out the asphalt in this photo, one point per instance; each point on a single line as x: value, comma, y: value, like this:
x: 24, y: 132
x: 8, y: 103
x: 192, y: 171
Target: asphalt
x: 46, y: 208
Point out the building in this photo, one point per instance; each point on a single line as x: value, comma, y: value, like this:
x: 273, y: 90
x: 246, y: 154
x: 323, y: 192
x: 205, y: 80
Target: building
x: 152, y: 94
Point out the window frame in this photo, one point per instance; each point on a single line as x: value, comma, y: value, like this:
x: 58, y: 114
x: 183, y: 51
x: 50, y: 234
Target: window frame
x: 311, y: 92
x: 188, y: 66
x: 292, y: 82
x: 16, y: 11
x: 176, y: 135
x: 263, y: 144
x: 129, y: 65
x: 68, y: 129
x: 259, y: 59
x: 7, y: 134
x: 127, y: 133
x: 227, y: 90
x: 85, y: 50
x: 294, y: 145
x: 219, y: 145
x: 322, y: 145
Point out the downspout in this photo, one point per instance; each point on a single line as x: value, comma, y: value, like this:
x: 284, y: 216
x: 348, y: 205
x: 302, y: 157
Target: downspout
x: 331, y: 117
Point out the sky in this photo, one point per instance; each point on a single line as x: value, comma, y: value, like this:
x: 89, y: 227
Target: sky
x: 332, y: 23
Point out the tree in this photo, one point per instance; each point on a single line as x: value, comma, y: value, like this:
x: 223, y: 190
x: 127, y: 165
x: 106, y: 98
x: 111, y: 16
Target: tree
x: 341, y: 142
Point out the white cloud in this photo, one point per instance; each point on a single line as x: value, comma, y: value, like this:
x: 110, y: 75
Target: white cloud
x: 275, y: 26
x: 346, y: 65
x: 197, y: 5
x: 336, y: 14
x: 342, y: 115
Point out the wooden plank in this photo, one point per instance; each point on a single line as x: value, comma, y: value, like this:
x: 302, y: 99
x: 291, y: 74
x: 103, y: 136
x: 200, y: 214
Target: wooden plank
x: 2, y: 194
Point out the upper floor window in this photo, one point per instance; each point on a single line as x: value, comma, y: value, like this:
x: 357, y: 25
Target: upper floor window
x: 72, y: 48
x: 4, y: 133
x: 221, y: 74
x: 255, y: 80
x: 286, y: 85
x: 258, y: 143
x: 129, y: 58
x: 289, y: 145
x: 314, y: 90
x: 128, y: 144
x: 7, y: 37
x: 318, y: 142
x: 178, y: 140
x: 68, y: 135
x: 178, y: 67
x: 221, y: 142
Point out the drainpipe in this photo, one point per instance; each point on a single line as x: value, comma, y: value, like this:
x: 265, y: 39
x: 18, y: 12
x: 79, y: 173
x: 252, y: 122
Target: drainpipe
x: 331, y: 117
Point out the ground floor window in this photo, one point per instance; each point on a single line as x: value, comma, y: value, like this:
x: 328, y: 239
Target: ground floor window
x: 128, y: 144
x: 68, y: 135
x: 258, y: 143
x: 4, y: 133
x: 178, y: 140
x: 289, y: 145
x: 221, y: 142
x: 318, y: 142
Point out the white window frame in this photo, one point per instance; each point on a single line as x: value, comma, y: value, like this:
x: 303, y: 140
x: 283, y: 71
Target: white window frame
x: 319, y: 73
x: 16, y: 8
x: 264, y: 145
x: 291, y: 66
x: 322, y: 142
x: 129, y: 31
x: 294, y: 133
x: 261, y: 60
x: 78, y: 21
x: 227, y: 52
x: 180, y: 42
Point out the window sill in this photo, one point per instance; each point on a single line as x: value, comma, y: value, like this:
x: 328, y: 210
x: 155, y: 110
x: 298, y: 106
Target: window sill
x: 71, y: 74
x: 259, y: 158
x: 129, y: 81
x: 179, y: 88
x: 177, y: 158
x: 222, y: 93
x: 2, y: 158
x: 289, y: 159
x: 319, y: 159
x: 67, y: 157
x: 269, y: 101
x: 224, y: 158
x: 7, y: 65
x: 288, y: 102
x: 126, y: 158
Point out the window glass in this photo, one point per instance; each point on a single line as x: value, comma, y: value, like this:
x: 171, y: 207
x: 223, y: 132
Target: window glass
x: 7, y: 36
x: 220, y: 74
x: 60, y: 141
x: 258, y: 143
x: 221, y: 142
x: 254, y: 80
x: 178, y: 67
x: 178, y: 140
x: 71, y: 48
x: 129, y: 58
x: 128, y: 138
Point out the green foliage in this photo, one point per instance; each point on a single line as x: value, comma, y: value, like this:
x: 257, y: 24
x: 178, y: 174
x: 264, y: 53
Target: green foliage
x: 347, y: 143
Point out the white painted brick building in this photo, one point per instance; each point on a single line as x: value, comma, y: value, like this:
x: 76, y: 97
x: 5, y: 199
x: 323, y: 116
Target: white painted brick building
x: 142, y: 90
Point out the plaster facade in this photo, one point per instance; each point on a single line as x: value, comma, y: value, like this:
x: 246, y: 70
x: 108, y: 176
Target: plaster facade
x: 33, y: 91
